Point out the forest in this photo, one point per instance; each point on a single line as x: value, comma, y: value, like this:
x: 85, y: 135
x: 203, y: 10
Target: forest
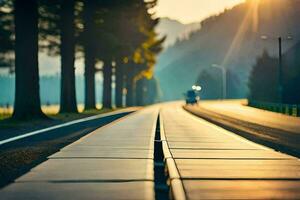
x: 114, y: 37
x: 232, y: 39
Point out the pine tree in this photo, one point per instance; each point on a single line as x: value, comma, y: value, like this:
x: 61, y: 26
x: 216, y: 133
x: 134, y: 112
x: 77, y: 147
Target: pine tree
x: 27, y: 98
x: 262, y: 87
x: 67, y: 51
x: 89, y: 53
x: 6, y: 35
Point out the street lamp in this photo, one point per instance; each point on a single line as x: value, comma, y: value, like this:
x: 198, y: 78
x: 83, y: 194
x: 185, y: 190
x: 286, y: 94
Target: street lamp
x: 280, y: 70
x: 224, y: 78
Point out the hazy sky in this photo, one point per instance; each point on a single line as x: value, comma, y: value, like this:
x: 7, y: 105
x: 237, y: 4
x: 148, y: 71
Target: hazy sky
x: 187, y: 11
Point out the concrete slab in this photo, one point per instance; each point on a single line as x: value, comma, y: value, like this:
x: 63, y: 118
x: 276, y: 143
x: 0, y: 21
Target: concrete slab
x: 238, y: 169
x: 197, y: 139
x: 241, y: 189
x: 96, y: 152
x: 79, y: 190
x: 91, y: 170
x: 228, y: 154
x: 213, y: 145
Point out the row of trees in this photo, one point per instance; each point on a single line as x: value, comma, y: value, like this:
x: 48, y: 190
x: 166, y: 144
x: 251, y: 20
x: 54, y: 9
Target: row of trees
x: 211, y: 81
x: 119, y: 34
x: 263, y: 81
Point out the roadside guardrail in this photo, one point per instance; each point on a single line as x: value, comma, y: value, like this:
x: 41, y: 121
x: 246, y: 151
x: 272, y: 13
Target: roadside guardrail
x: 287, y: 109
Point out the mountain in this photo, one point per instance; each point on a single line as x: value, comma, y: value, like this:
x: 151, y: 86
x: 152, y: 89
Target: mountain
x: 174, y: 30
x: 231, y: 39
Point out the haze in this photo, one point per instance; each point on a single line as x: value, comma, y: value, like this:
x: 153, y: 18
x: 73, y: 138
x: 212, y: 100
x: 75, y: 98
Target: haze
x: 188, y: 11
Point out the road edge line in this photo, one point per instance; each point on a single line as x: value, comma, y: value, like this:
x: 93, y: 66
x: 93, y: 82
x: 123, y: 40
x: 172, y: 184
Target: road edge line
x: 77, y: 121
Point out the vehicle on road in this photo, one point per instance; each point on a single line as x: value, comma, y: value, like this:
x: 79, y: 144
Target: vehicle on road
x: 192, y: 97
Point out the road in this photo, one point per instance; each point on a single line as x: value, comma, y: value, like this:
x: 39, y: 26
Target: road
x: 20, y: 153
x: 236, y: 109
x: 278, y: 131
x: 124, y: 160
x: 216, y: 164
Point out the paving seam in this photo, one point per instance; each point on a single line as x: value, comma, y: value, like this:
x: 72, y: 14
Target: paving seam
x: 88, y: 181
x: 177, y: 189
x: 100, y: 158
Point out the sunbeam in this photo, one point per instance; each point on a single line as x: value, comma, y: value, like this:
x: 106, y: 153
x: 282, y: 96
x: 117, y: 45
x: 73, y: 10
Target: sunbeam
x: 251, y: 18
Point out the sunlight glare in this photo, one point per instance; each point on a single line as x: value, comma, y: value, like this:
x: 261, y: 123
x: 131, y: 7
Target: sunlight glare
x: 251, y: 19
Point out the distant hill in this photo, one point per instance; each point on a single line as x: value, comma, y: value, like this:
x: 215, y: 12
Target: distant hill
x: 174, y: 30
x: 232, y: 39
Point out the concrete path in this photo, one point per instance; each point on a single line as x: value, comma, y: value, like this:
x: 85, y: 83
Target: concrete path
x: 113, y: 162
x: 213, y: 163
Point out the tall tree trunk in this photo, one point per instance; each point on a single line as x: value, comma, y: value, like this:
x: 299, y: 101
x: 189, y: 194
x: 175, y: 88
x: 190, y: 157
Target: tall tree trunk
x: 67, y: 48
x: 119, y: 84
x: 140, y: 92
x: 107, y: 80
x: 130, y: 86
x: 89, y: 55
x: 27, y: 94
x: 89, y: 75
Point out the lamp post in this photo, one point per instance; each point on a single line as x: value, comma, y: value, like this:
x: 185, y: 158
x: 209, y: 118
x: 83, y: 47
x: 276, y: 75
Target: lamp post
x: 280, y: 68
x: 224, y: 78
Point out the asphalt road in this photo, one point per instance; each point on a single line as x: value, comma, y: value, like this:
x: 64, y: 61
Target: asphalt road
x: 278, y: 131
x: 19, y: 156
x: 237, y: 109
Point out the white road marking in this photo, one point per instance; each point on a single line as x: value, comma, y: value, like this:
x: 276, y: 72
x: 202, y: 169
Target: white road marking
x: 60, y: 126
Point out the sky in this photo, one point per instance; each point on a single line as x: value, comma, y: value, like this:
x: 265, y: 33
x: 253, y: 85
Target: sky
x: 189, y: 11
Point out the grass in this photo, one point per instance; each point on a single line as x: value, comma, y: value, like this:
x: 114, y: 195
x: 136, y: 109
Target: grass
x: 52, y: 112
x: 11, y: 126
x: 5, y: 113
x: 4, y: 116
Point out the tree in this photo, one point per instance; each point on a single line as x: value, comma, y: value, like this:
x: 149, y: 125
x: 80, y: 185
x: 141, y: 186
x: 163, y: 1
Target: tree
x: 6, y: 35
x: 147, y: 91
x: 128, y: 27
x: 107, y: 81
x: 149, y: 46
x: 211, y: 86
x: 67, y: 51
x: 59, y: 32
x: 27, y: 98
x: 89, y: 53
x: 263, y: 81
x: 291, y: 75
x: 105, y: 35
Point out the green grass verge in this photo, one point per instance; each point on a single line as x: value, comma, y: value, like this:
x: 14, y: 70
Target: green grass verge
x: 8, y: 123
